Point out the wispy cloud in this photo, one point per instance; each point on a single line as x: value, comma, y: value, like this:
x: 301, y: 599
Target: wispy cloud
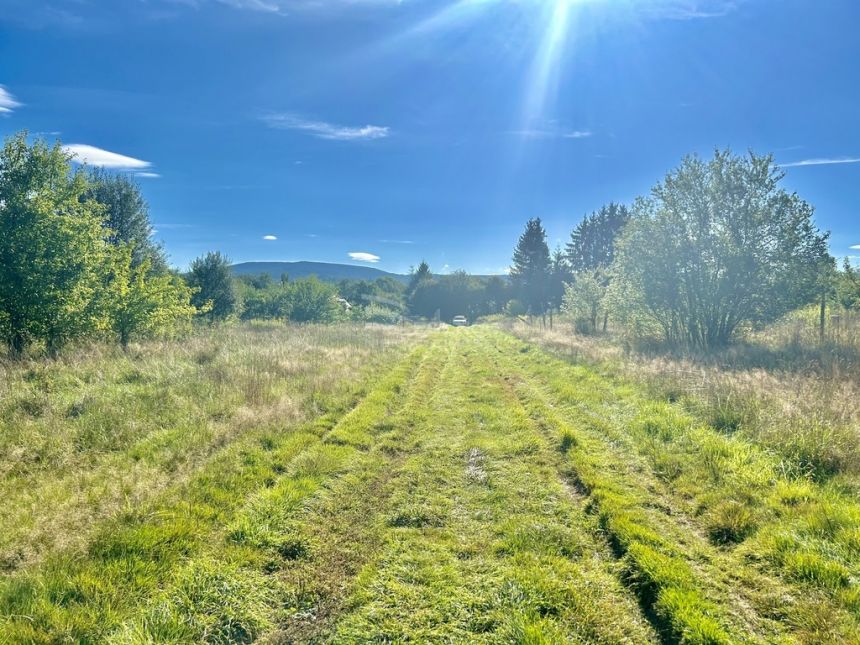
x: 104, y: 158
x: 396, y: 242
x: 551, y: 131
x: 7, y: 102
x: 270, y: 238
x: 174, y: 226
x: 692, y: 9
x: 856, y: 247
x: 324, y: 130
x: 283, y: 6
x: 821, y: 162
x: 148, y: 175
x: 362, y: 256
x: 256, y: 5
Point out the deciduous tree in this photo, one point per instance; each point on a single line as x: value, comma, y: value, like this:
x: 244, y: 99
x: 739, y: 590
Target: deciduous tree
x: 717, y: 245
x: 53, y: 248
x: 140, y: 302
x: 215, y: 292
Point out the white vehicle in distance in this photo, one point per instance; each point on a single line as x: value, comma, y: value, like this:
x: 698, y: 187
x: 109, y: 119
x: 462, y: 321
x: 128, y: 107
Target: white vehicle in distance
x: 460, y: 321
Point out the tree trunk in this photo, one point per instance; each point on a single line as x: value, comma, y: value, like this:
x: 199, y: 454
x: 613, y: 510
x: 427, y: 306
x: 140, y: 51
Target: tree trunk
x: 53, y: 346
x: 605, y: 320
x: 17, y: 343
x: 821, y: 316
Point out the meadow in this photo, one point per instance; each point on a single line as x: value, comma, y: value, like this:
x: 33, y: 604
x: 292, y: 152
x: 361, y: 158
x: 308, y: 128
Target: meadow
x: 377, y: 484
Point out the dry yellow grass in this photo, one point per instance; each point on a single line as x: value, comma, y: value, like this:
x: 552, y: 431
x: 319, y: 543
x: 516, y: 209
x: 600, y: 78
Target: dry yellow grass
x: 98, y: 431
x: 782, y: 387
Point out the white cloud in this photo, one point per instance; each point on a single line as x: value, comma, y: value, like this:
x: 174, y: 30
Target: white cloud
x: 97, y: 157
x: 7, y: 101
x: 148, y: 175
x: 256, y: 5
x: 362, y: 256
x: 284, y: 6
x: 856, y: 247
x: 323, y: 130
x: 691, y: 9
x: 396, y: 242
x: 270, y: 238
x: 552, y: 131
x: 174, y: 226
x: 821, y: 162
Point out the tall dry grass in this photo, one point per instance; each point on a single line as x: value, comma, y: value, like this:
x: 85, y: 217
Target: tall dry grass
x: 783, y: 386
x: 99, y: 431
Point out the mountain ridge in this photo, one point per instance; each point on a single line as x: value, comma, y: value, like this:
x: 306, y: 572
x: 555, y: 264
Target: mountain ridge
x: 326, y: 271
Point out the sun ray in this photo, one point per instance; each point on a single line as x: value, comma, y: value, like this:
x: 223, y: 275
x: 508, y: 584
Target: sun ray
x: 544, y: 73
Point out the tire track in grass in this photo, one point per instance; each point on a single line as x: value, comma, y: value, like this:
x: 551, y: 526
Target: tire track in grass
x: 732, y: 494
x: 482, y: 543
x: 165, y: 573
x: 697, y: 592
x: 341, y: 528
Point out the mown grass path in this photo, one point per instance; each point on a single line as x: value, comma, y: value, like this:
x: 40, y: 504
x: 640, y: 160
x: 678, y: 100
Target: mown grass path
x: 482, y: 541
x: 482, y: 491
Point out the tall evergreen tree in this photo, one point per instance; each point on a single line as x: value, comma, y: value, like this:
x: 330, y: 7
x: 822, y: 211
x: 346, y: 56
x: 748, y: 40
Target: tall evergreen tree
x: 592, y: 242
x: 418, y: 278
x: 530, y: 271
x: 127, y: 216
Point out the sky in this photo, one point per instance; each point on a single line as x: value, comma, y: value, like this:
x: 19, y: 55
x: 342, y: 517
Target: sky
x: 385, y: 132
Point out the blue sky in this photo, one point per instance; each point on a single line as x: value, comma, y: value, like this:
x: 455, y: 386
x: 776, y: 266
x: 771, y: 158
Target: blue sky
x: 429, y: 129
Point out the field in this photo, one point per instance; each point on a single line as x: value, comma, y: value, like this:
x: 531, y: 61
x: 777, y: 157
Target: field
x: 347, y: 484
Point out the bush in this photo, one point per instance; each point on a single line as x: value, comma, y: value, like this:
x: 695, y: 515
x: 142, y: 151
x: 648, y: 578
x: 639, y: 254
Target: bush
x: 375, y: 313
x: 515, y: 308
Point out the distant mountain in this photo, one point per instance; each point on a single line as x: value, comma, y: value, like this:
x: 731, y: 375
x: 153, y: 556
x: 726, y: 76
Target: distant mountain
x: 323, y: 270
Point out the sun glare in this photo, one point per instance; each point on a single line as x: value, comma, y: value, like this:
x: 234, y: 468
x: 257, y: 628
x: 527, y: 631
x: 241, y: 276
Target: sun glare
x: 543, y: 75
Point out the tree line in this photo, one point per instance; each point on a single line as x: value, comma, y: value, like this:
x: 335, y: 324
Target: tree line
x: 78, y: 261
x: 717, y: 247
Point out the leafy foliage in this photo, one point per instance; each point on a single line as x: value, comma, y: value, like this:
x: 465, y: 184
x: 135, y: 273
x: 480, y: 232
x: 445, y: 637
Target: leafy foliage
x: 53, y: 249
x: 719, y: 244
x: 458, y: 294
x: 215, y: 293
x: 584, y: 300
x: 311, y: 300
x: 140, y: 302
x: 847, y: 287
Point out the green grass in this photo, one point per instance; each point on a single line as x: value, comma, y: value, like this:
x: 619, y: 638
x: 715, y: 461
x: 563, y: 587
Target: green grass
x: 350, y: 485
